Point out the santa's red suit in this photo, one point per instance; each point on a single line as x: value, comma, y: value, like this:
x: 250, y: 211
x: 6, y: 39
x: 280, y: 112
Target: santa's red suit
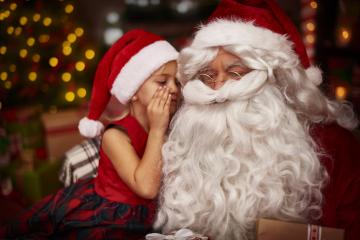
x: 342, y: 194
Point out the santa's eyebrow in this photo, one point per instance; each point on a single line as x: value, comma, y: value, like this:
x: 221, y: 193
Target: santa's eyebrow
x: 206, y: 69
x: 236, y: 64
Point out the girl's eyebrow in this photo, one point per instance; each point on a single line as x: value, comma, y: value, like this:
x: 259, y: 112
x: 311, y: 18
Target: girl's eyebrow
x: 162, y: 75
x: 166, y: 75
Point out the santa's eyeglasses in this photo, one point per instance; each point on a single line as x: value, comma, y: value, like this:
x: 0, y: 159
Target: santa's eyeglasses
x: 211, y: 77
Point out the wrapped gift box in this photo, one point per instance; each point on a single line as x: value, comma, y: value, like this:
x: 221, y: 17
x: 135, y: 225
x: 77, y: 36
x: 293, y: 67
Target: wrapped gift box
x: 277, y: 230
x: 61, y: 131
x: 23, y: 129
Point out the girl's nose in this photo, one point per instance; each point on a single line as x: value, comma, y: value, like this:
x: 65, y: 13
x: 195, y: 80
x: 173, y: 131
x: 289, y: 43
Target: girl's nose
x: 173, y: 87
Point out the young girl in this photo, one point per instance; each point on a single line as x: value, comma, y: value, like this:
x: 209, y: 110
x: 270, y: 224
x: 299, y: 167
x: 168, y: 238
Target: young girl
x: 139, y: 70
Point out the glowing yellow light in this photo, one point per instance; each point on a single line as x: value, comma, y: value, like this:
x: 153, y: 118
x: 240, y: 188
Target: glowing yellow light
x: 6, y: 13
x: 3, y: 76
x: 53, y: 61
x: 345, y: 34
x: 32, y: 76
x: 13, y: 6
x: 80, y: 66
x: 313, y: 4
x: 69, y: 96
x: 67, y: 50
x: 23, y: 53
x: 79, y: 31
x: 310, y: 38
x: 18, y: 31
x: 10, y: 30
x: 23, y: 20
x: 81, y: 92
x: 30, y: 42
x: 310, y: 26
x: 12, y: 68
x: 36, y: 17
x: 66, y: 44
x: 43, y: 38
x: 71, y: 37
x: 66, y: 76
x: 8, y: 85
x: 47, y: 21
x: 36, y: 58
x: 3, y: 50
x: 69, y: 8
x: 340, y: 92
x: 2, y: 16
x: 89, y: 54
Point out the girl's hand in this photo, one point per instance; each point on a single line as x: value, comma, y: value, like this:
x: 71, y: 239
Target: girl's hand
x: 158, y: 110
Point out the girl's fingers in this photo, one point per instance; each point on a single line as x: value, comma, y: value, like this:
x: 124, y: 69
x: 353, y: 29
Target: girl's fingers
x: 163, y: 98
x: 155, y: 98
x: 168, y: 103
x: 157, y: 92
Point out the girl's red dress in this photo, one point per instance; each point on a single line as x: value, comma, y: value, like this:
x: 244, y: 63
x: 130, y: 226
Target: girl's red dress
x: 100, y: 208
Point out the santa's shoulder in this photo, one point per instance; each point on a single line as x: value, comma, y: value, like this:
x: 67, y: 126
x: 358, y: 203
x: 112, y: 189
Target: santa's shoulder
x: 339, y: 147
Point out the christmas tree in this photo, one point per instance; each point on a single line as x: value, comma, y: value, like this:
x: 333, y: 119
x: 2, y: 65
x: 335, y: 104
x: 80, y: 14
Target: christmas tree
x: 45, y: 56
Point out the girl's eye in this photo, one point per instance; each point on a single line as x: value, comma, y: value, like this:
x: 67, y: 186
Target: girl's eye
x: 162, y: 82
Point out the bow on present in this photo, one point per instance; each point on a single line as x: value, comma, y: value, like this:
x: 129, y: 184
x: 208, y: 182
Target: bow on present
x: 182, y: 234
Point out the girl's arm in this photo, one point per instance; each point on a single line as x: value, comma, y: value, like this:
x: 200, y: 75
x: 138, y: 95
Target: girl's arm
x: 143, y: 176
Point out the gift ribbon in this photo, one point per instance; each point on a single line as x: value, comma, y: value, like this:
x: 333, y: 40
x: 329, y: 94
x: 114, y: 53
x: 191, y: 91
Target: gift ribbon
x: 314, y: 232
x: 182, y: 234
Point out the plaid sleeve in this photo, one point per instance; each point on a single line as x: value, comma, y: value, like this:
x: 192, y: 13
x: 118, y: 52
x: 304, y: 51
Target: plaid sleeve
x: 80, y: 162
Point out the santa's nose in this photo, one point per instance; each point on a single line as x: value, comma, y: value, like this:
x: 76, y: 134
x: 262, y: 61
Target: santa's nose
x: 221, y: 78
x: 218, y: 85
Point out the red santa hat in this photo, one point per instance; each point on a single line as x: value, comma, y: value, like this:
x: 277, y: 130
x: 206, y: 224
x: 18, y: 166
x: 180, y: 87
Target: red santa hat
x: 121, y: 72
x: 259, y: 24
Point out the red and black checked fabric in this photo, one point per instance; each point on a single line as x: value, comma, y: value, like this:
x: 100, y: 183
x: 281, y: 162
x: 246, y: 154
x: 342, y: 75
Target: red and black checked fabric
x: 77, y: 212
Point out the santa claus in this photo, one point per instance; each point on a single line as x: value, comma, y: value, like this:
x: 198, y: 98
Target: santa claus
x: 255, y: 136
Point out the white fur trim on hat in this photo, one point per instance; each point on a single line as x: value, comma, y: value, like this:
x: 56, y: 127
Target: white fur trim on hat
x: 140, y: 67
x: 314, y: 74
x: 90, y: 128
x: 222, y: 32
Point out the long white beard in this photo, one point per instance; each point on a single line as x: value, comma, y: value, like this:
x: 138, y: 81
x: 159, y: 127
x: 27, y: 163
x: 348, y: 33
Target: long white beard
x: 227, y: 164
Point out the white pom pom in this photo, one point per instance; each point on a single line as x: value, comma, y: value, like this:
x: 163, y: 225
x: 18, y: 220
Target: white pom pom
x: 314, y: 75
x: 90, y: 128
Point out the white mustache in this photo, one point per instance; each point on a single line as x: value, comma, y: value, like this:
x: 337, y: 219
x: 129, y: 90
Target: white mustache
x: 196, y: 92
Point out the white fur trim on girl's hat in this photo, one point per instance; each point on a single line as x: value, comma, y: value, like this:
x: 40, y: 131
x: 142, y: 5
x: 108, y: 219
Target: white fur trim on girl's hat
x: 90, y: 128
x: 122, y: 70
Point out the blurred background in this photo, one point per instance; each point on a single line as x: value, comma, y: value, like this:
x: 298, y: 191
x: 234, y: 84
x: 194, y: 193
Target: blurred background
x: 48, y: 56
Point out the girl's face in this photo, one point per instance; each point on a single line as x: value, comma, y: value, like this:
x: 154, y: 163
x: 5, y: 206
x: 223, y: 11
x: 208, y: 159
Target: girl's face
x: 164, y: 76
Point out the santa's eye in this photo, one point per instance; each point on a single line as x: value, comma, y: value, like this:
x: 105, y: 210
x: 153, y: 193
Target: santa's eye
x: 235, y: 75
x: 206, y: 77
